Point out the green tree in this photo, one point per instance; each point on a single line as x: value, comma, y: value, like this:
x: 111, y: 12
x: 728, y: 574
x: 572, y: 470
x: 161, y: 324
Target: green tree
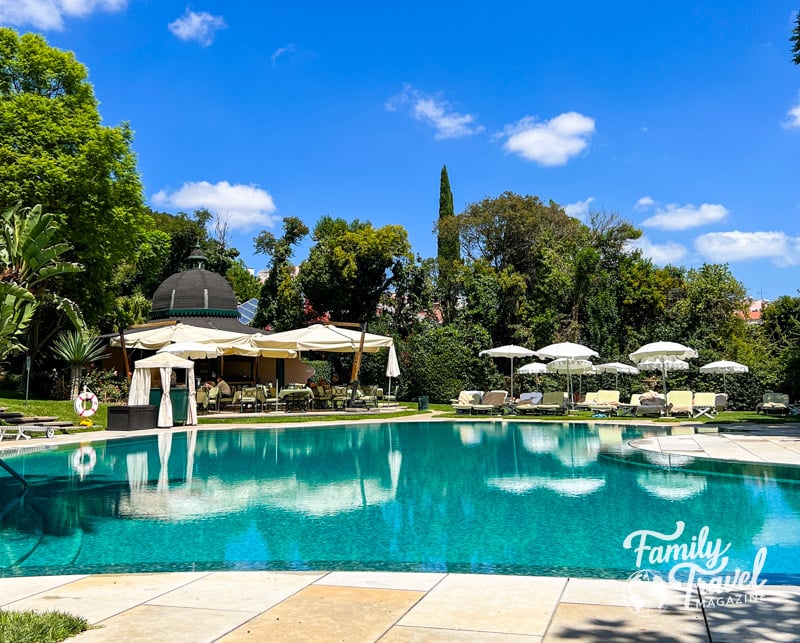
x: 796, y: 40
x: 280, y: 302
x: 351, y: 265
x: 30, y: 263
x: 78, y: 348
x: 55, y: 152
x: 448, y: 249
x: 245, y: 285
x: 782, y: 332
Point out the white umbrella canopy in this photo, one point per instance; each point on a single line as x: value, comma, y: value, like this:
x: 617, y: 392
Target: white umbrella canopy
x: 511, y: 351
x: 323, y: 337
x: 570, y: 366
x: 724, y: 367
x: 566, y: 350
x: 191, y: 350
x: 616, y: 368
x: 663, y: 352
x: 534, y: 368
x: 392, y: 367
x: 160, y: 336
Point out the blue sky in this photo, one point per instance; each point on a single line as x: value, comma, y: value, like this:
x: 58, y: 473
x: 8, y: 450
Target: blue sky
x: 682, y: 117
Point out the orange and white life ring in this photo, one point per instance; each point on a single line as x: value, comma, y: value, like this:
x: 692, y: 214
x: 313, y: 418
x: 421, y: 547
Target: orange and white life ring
x: 80, y: 404
x: 84, y: 460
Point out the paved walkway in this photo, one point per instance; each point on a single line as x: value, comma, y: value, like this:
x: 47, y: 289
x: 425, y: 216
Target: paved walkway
x: 391, y: 607
x: 371, y: 606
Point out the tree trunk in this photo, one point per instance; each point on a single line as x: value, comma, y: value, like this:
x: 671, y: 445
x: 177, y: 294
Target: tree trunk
x: 75, y: 380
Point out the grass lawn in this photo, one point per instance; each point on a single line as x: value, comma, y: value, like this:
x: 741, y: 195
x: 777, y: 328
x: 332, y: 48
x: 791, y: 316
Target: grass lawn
x: 36, y: 627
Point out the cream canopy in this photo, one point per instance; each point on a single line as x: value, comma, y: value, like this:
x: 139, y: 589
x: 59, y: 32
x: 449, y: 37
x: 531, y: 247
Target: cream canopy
x: 323, y: 337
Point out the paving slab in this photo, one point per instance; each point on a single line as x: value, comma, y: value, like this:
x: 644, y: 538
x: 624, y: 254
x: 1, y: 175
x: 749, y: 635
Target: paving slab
x: 584, y: 622
x: 501, y: 604
x: 22, y: 587
x: 97, y: 598
x: 238, y: 591
x: 403, y: 634
x: 148, y: 623
x: 746, y: 617
x: 383, y: 580
x: 326, y: 613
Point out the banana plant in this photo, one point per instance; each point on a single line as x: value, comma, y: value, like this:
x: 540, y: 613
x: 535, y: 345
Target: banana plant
x: 30, y: 259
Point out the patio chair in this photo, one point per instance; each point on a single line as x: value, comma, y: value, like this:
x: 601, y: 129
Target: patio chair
x: 466, y: 400
x: 369, y: 395
x: 213, y: 399
x: 774, y: 404
x: 554, y: 402
x: 323, y: 396
x: 680, y: 403
x: 705, y: 404
x: 202, y: 400
x: 248, y: 396
x: 491, y: 403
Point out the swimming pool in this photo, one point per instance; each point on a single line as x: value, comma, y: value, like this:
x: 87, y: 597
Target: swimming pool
x: 481, y: 497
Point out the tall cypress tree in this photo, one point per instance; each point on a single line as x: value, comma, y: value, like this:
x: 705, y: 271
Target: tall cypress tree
x: 449, y: 248
x: 796, y: 40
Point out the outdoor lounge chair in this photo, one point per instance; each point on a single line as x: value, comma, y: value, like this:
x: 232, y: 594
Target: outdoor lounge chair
x: 554, y: 402
x: 589, y: 399
x: 629, y: 408
x: 651, y: 404
x: 705, y: 404
x: 527, y: 402
x: 680, y: 403
x: 774, y: 404
x: 466, y: 400
x: 606, y: 402
x: 491, y: 403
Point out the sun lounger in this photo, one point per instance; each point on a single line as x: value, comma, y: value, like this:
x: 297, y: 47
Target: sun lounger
x: 774, y: 404
x: 491, y: 403
x: 589, y: 399
x: 21, y: 431
x: 680, y: 402
x: 553, y: 402
x: 705, y: 404
x: 628, y: 409
x: 466, y: 401
x: 651, y: 404
x: 606, y: 402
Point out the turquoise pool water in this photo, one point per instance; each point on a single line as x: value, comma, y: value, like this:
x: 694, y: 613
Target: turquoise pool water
x: 484, y: 497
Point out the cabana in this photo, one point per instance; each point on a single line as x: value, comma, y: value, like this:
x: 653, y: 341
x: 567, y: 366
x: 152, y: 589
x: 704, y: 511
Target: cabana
x: 140, y: 386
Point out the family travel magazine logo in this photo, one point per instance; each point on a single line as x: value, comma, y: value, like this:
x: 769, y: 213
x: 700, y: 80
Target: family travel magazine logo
x: 696, y: 565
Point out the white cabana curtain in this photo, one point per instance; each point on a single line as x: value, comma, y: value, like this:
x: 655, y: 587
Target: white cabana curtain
x: 141, y: 382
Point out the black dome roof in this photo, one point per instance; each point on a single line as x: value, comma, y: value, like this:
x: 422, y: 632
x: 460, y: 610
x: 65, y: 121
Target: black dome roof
x: 194, y: 293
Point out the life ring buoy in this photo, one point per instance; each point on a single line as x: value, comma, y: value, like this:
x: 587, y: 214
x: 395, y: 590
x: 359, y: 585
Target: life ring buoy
x: 80, y: 404
x: 84, y: 460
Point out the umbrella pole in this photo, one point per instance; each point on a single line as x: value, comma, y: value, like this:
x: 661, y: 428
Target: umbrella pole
x: 512, y: 379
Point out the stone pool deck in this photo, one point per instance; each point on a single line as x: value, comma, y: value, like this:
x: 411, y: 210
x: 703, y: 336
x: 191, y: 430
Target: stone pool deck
x: 377, y: 606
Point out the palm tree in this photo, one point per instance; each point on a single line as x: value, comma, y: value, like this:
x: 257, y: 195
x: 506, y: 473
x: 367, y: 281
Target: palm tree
x: 29, y: 260
x: 77, y: 348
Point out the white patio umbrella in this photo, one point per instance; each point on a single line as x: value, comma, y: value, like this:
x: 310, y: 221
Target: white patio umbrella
x: 534, y: 368
x: 510, y: 351
x: 191, y: 350
x: 571, y: 352
x: 724, y: 367
x: 662, y: 352
x: 392, y: 367
x: 570, y: 367
x: 616, y: 368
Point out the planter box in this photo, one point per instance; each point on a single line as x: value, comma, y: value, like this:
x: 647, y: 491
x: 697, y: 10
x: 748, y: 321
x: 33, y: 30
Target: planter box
x: 132, y: 418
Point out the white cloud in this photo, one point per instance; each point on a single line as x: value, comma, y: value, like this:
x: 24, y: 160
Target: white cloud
x: 243, y: 207
x: 682, y: 217
x: 281, y: 51
x: 644, y: 203
x: 49, y: 14
x: 435, y: 112
x: 660, y: 254
x: 792, y: 119
x: 725, y: 247
x: 201, y: 27
x: 552, y: 142
x: 579, y: 209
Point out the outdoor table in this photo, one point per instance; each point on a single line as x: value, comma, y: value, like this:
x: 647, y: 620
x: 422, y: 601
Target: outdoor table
x: 296, y: 399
